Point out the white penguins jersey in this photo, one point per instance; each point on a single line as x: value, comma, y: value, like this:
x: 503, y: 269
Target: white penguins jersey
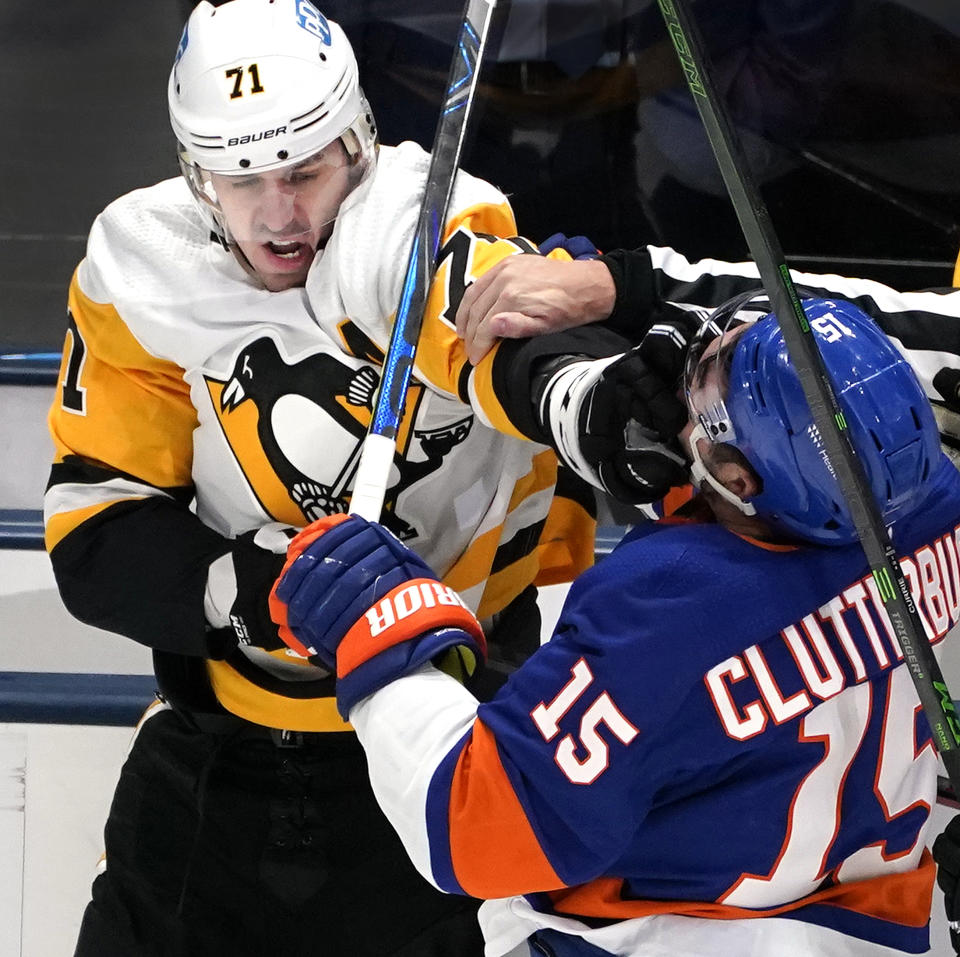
x: 184, y: 380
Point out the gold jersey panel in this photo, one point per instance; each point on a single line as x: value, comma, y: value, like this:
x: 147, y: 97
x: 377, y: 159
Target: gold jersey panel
x: 180, y: 373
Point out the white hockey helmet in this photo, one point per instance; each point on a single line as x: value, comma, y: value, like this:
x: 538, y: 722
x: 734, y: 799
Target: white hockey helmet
x: 259, y: 85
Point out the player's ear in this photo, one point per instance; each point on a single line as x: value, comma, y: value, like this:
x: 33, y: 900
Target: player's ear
x: 731, y: 469
x: 741, y: 481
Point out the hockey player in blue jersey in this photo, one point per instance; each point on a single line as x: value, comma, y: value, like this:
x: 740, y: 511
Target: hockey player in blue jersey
x: 719, y: 751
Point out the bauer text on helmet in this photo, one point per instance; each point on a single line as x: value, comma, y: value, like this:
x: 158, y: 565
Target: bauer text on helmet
x: 273, y: 129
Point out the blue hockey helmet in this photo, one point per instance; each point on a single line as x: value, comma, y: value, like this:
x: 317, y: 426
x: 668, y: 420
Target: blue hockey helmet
x: 758, y: 406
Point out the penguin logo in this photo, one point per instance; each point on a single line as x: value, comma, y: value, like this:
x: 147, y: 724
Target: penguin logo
x: 296, y: 430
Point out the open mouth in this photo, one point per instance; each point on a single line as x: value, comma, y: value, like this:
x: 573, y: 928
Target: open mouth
x: 286, y: 250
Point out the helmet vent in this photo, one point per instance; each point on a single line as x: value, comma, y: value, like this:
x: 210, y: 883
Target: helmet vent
x: 212, y: 142
x: 316, y: 119
x: 756, y: 389
x: 339, y: 92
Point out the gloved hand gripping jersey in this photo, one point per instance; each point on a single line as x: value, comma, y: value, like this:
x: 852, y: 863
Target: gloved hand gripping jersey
x: 351, y: 596
x: 615, y: 420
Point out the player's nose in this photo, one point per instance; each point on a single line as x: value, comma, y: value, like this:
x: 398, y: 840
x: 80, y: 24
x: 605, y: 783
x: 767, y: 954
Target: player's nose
x: 278, y: 207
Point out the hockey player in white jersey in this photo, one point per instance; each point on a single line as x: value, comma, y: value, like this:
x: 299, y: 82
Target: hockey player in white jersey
x: 720, y: 750
x: 225, y: 339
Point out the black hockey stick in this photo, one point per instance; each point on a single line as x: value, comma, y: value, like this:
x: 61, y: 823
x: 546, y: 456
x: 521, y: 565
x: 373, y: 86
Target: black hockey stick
x: 380, y: 444
x: 827, y: 415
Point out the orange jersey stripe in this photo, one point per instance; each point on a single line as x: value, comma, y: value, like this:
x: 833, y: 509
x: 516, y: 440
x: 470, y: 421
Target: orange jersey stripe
x: 900, y: 898
x: 492, y: 846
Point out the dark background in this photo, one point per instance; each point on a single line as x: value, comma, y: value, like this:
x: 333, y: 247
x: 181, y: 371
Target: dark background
x: 850, y: 111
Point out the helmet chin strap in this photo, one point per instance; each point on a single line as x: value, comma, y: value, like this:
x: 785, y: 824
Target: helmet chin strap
x: 699, y: 473
x: 241, y: 257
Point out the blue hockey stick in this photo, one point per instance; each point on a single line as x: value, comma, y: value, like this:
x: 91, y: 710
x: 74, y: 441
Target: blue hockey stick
x: 380, y: 444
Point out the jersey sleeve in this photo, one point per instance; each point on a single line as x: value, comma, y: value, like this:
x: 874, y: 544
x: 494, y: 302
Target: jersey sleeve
x: 477, y: 237
x: 128, y: 554
x: 924, y: 324
x: 541, y: 788
x: 363, y: 271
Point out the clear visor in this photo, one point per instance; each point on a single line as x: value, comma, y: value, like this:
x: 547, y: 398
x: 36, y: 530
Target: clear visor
x: 706, y: 373
x: 706, y: 379
x: 296, y: 203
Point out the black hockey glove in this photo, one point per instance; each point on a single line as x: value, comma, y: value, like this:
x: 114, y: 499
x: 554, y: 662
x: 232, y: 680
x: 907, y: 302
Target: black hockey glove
x: 946, y: 852
x: 947, y: 383
x: 238, y: 588
x: 615, y: 422
x: 665, y: 345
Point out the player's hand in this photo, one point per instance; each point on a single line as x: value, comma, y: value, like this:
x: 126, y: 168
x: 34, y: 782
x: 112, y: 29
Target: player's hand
x: 526, y: 295
x: 638, y: 398
x: 577, y: 247
x: 630, y: 429
x: 665, y: 345
x: 352, y: 596
x: 946, y: 852
x: 615, y: 422
x: 238, y: 586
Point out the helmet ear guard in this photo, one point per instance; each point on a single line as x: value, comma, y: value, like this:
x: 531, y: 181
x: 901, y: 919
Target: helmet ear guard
x: 766, y: 417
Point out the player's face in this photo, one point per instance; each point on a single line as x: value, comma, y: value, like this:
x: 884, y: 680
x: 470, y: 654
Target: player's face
x: 727, y: 478
x: 706, y: 384
x: 281, y: 218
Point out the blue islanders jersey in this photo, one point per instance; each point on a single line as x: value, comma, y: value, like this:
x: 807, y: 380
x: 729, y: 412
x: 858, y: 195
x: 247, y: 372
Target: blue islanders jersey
x: 720, y: 733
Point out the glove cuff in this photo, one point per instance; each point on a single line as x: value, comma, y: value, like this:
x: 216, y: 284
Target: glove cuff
x: 414, y: 608
x: 636, y: 303
x: 400, y: 660
x: 560, y: 409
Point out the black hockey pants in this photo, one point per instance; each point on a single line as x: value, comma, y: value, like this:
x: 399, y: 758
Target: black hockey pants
x: 225, y: 843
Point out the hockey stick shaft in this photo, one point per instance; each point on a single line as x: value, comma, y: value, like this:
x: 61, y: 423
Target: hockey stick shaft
x: 380, y: 444
x: 827, y: 415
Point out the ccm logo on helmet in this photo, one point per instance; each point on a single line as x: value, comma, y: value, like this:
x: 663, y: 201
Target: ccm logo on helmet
x: 255, y: 137
x: 408, y: 600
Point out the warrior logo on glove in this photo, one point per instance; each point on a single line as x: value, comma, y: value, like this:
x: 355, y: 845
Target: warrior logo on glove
x: 353, y: 597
